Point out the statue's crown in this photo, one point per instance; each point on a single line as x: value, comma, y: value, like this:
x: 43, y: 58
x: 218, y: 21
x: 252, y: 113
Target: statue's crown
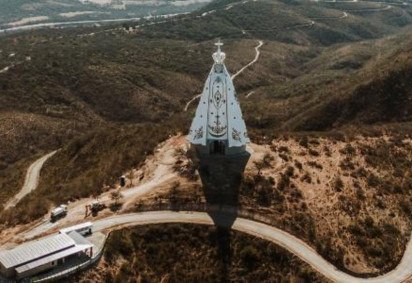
x: 219, y: 56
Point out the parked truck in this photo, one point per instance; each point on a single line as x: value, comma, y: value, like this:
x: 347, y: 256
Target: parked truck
x: 58, y: 212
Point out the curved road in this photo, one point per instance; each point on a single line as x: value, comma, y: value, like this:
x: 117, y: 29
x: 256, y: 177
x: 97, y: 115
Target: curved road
x: 294, y: 245
x: 31, y: 181
x: 85, y: 22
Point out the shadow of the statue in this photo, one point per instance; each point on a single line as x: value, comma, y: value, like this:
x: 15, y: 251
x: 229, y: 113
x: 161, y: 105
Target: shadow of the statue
x: 221, y: 177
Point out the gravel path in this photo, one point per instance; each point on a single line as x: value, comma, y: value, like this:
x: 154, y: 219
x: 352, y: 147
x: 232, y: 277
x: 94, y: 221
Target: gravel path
x: 31, y: 181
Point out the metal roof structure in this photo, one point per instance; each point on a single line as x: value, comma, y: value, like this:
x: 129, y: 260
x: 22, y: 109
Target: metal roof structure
x: 51, y: 258
x: 79, y: 239
x: 35, y: 250
x: 37, y: 253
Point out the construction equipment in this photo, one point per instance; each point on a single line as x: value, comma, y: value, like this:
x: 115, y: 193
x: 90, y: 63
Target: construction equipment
x: 94, y: 208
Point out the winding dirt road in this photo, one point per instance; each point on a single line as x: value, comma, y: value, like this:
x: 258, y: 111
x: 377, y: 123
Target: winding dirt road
x: 8, y: 68
x: 161, y: 173
x: 31, y: 181
x: 191, y: 100
x: 296, y: 246
x: 257, y: 49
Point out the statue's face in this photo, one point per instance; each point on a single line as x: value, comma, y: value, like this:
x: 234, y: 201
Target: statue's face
x: 218, y: 68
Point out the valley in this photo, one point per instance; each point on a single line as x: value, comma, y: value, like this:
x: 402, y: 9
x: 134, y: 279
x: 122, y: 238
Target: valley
x: 25, y: 15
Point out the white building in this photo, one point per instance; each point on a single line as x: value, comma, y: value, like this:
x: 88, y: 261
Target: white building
x: 34, y: 257
x: 83, y: 229
x: 218, y: 126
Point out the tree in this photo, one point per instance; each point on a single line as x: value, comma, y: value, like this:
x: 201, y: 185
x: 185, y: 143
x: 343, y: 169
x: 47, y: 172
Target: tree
x: 259, y: 166
x: 116, y: 197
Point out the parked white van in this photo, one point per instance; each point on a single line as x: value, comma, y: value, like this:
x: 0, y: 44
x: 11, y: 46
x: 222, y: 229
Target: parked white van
x: 83, y: 229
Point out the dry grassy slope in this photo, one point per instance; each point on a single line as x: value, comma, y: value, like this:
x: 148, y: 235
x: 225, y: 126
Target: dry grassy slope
x: 127, y: 79
x: 358, y: 83
x: 357, y: 192
x: 349, y: 199
x: 378, y: 93
x: 131, y: 79
x: 89, y: 165
x: 189, y: 253
x: 25, y: 134
x: 74, y: 85
x: 277, y: 21
x: 93, y: 92
x: 23, y: 137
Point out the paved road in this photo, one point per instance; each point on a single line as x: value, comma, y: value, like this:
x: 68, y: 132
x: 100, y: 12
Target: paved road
x: 296, y: 246
x: 76, y: 23
x: 31, y: 181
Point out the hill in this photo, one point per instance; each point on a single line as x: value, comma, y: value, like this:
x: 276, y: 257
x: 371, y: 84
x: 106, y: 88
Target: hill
x: 378, y: 93
x: 73, y: 88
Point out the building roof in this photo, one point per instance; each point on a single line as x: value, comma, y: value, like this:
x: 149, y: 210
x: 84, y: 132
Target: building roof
x: 79, y: 239
x: 31, y: 251
x: 51, y: 258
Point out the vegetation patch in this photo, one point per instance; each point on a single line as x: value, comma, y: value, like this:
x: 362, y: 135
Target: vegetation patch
x: 189, y: 253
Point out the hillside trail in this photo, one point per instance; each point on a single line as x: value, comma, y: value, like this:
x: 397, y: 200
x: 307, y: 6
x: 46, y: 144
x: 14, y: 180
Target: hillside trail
x: 384, y: 5
x: 157, y: 171
x: 257, y: 50
x: 31, y: 180
x: 8, y: 68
